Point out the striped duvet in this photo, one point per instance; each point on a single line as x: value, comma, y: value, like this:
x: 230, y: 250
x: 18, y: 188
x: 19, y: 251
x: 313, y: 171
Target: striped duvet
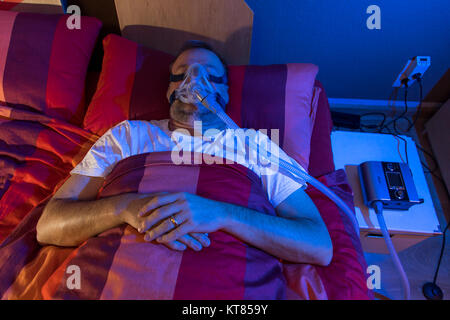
x: 119, y: 264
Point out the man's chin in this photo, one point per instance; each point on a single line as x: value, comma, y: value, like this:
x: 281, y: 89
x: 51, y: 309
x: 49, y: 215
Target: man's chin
x: 186, y: 108
x: 187, y: 113
x: 183, y: 112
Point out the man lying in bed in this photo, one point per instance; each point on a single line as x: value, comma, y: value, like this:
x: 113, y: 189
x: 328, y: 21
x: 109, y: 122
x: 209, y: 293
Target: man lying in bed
x: 181, y: 220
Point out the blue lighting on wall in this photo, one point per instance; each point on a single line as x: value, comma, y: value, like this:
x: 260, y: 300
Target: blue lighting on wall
x: 354, y: 61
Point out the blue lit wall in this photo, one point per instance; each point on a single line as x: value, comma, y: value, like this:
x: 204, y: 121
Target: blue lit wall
x: 354, y: 62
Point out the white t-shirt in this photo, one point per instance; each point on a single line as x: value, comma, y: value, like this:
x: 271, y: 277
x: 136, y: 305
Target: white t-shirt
x: 133, y: 137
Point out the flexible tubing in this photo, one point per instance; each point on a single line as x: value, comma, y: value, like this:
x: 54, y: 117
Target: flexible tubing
x: 295, y: 171
x: 378, y: 206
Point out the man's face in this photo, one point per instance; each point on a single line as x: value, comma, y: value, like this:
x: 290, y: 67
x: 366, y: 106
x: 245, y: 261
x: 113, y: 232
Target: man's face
x: 184, y: 112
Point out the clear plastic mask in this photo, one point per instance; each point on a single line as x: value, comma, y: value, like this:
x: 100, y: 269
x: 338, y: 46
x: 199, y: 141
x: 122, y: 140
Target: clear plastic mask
x: 195, y: 85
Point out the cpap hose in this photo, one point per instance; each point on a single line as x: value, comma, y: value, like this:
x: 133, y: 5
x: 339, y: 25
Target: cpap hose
x: 295, y: 171
x: 292, y: 170
x: 378, y: 206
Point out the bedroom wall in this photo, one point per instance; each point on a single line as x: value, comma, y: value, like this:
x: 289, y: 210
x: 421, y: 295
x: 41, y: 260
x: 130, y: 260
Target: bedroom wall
x: 354, y: 62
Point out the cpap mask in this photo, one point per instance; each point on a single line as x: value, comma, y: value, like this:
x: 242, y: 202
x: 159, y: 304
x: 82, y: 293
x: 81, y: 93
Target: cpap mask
x: 198, y: 82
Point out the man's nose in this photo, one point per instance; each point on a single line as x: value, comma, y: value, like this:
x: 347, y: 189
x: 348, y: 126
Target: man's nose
x: 196, y: 70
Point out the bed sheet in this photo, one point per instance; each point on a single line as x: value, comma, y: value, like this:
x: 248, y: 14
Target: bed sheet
x: 37, y: 153
x: 119, y: 264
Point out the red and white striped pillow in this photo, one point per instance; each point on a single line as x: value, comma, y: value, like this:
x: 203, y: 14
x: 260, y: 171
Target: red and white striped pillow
x: 134, y: 81
x: 43, y: 63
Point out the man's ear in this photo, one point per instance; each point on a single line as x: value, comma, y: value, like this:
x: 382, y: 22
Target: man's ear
x: 168, y: 93
x: 172, y: 87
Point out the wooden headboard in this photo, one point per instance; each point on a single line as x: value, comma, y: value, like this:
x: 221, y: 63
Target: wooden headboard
x: 167, y: 24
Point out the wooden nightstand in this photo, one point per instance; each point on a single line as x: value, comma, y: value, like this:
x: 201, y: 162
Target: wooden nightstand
x: 406, y: 227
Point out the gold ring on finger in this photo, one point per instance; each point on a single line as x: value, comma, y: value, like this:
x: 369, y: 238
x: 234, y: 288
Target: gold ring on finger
x: 174, y: 221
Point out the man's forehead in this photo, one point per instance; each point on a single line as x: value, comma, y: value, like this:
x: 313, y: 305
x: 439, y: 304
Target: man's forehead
x: 198, y: 55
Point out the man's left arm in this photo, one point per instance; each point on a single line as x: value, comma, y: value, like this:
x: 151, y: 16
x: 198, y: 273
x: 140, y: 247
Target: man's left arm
x: 297, y: 234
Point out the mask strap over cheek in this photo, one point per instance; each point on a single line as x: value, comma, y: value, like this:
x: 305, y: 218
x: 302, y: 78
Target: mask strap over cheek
x: 176, y: 77
x: 172, y: 98
x: 220, y: 100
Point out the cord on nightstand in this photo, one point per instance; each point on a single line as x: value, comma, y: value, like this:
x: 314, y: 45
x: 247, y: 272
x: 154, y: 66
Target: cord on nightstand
x: 385, y: 124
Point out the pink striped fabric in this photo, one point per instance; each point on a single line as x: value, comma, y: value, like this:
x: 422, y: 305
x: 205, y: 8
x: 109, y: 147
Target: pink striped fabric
x: 300, y: 104
x: 118, y: 264
x: 114, y: 86
x: 70, y: 55
x: 122, y: 284
x: 10, y: 4
x: 6, y: 25
x: 134, y: 80
x: 36, y: 153
x: 43, y: 64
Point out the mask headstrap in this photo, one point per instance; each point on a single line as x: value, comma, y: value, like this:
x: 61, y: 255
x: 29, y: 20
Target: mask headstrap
x: 180, y: 77
x: 172, y: 98
x: 176, y: 77
x: 220, y: 100
x: 219, y: 80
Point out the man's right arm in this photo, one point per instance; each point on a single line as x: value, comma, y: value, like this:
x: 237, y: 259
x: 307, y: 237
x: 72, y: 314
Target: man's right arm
x: 70, y: 222
x: 74, y: 215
